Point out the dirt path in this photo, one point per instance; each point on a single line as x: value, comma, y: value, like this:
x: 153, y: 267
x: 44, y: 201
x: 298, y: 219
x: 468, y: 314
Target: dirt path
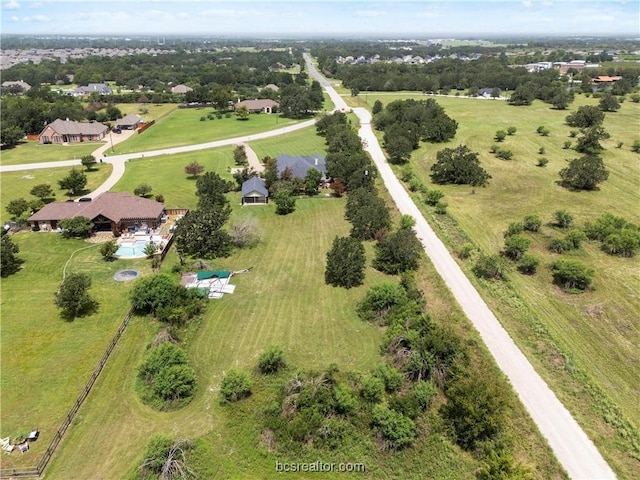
x: 574, y: 450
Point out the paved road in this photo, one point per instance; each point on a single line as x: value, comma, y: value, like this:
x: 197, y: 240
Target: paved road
x: 574, y: 450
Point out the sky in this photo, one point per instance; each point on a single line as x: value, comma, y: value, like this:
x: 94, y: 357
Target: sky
x: 245, y: 18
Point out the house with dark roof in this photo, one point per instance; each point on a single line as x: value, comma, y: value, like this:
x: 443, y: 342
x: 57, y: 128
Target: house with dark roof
x: 259, y: 105
x: 300, y: 165
x: 254, y: 192
x: 109, y: 211
x: 129, y: 122
x: 69, y: 131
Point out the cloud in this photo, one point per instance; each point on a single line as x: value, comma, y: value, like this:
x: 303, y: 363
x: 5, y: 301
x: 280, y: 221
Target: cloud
x: 15, y: 19
x: 36, y: 18
x: 428, y: 15
x: 547, y: 4
x: 12, y: 5
x: 230, y: 13
x: 182, y: 15
x: 370, y: 13
x: 35, y: 5
x: 527, y: 3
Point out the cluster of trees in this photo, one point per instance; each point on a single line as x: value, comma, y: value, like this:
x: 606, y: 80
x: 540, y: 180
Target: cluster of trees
x: 298, y: 101
x: 407, y: 122
x: 166, y: 379
x: 616, y: 235
x: 587, y: 171
x: 200, y: 232
x: 238, y: 71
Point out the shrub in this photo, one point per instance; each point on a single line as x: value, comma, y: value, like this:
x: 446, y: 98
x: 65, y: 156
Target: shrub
x: 573, y: 133
x: 490, y: 267
x: 466, y: 250
x: 398, y: 252
x: 372, y: 389
x: 514, y: 228
x: 500, y: 136
x: 166, y: 373
x: 441, y: 208
x: 432, y: 197
x: 572, y: 275
x: 174, y: 383
x: 563, y: 218
x: 391, y: 377
x: 108, y: 249
x: 504, y: 154
x: 285, y: 202
x: 575, y: 238
x: 511, y: 130
x: 528, y: 264
x: 567, y: 144
x: 558, y: 245
x: 415, y: 185
x: 424, y: 392
x: 235, y: 386
x: 532, y: 223
x: 346, y: 262
x: 541, y: 150
x: 380, y: 298
x: 398, y: 430
x: 515, y: 246
x: 346, y: 401
x: 271, y: 360
x: 542, y: 162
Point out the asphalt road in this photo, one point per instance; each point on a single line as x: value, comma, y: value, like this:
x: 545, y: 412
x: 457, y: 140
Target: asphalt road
x: 574, y: 450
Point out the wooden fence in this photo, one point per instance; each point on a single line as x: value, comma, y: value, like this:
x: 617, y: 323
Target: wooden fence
x: 42, y: 464
x: 144, y: 126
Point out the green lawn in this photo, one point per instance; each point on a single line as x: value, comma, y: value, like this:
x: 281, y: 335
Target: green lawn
x: 46, y: 360
x: 30, y: 152
x: 14, y: 185
x: 183, y: 127
x: 596, y: 334
x: 155, y: 111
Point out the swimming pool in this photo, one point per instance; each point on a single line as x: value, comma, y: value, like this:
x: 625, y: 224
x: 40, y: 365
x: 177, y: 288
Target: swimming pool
x: 132, y: 249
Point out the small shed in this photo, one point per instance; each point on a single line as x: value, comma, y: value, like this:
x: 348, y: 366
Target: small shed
x: 254, y: 192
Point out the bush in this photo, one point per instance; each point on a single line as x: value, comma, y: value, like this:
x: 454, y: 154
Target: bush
x: 504, y: 154
x: 515, y: 246
x: 380, y: 298
x: 466, y: 250
x: 424, y: 392
x: 398, y: 252
x: 514, y: 228
x: 559, y: 245
x: 563, y: 219
x: 511, y: 130
x: 235, y: 386
x: 490, y: 267
x: 76, y: 227
x: 142, y: 190
x: 108, y: 249
x: 398, y: 430
x: 532, y: 223
x: 542, y: 162
x: 167, y: 375
x: 174, y: 383
x: 528, y: 264
x: 415, y: 185
x: 372, y: 389
x: 346, y: 401
x: 441, y: 208
x: 432, y: 197
x: 500, y: 136
x: 391, y: 377
x: 271, y: 360
x: 285, y: 202
x: 575, y: 238
x: 567, y: 144
x: 572, y: 275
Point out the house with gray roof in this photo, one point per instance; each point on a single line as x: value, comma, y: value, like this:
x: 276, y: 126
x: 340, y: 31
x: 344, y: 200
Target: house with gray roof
x: 109, y: 211
x: 181, y: 89
x: 69, y: 131
x: 259, y: 105
x: 300, y: 165
x: 254, y: 192
x: 100, y: 88
x: 22, y: 85
x: 129, y: 122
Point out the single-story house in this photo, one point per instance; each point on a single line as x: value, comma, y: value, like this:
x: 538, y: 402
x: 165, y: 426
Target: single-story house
x: 18, y: 84
x: 181, y: 89
x: 129, y: 122
x: 271, y: 86
x: 607, y: 79
x: 263, y: 105
x: 109, y: 211
x: 100, y: 88
x: 69, y: 131
x: 254, y: 192
x: 300, y: 165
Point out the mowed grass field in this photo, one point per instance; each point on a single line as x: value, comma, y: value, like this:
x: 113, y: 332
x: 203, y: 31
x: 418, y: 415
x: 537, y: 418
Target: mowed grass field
x: 183, y: 127
x: 577, y: 342
x: 14, y: 185
x: 31, y: 152
x: 46, y: 361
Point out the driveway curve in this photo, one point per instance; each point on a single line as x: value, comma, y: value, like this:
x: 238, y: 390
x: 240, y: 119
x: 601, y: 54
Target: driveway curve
x: 573, y: 449
x: 118, y: 161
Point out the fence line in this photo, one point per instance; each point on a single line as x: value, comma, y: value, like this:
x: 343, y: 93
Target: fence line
x: 42, y: 464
